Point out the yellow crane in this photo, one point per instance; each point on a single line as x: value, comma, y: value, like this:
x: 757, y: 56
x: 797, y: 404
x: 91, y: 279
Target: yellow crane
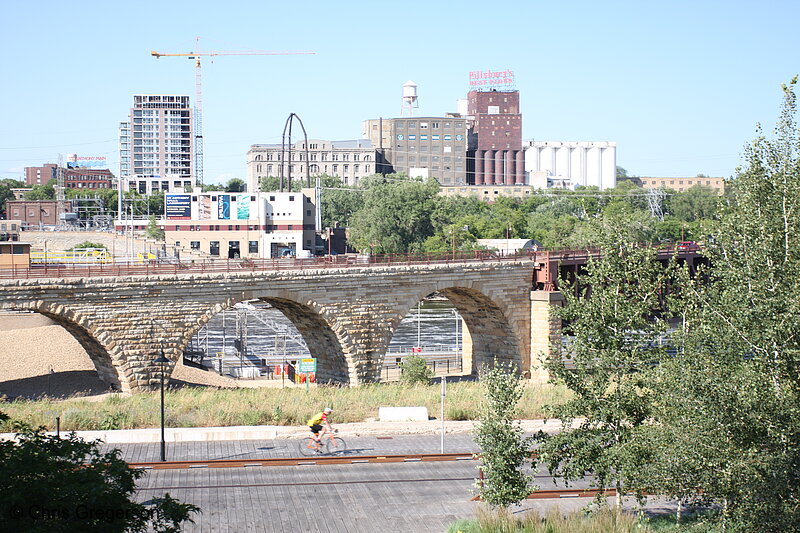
x: 198, y: 97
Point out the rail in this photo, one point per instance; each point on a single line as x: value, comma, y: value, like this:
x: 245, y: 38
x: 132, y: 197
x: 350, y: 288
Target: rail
x: 303, y: 461
x: 537, y: 258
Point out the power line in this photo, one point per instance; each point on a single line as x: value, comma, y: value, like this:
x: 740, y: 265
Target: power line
x: 59, y: 145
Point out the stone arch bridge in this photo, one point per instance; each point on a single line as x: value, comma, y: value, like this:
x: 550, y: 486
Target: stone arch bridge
x: 347, y: 316
x: 346, y: 313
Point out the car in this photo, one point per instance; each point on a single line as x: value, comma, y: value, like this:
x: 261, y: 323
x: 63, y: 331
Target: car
x: 687, y: 246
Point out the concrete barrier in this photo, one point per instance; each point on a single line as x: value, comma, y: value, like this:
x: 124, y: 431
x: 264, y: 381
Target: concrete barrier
x: 403, y: 414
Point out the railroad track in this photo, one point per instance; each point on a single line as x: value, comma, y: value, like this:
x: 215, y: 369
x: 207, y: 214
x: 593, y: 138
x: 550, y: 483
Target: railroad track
x: 345, y: 459
x: 303, y: 461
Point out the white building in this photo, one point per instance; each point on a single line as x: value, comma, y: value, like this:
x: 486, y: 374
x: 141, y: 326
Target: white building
x: 234, y: 225
x: 566, y: 165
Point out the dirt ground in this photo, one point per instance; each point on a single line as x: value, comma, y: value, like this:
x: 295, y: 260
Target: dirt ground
x: 39, y: 357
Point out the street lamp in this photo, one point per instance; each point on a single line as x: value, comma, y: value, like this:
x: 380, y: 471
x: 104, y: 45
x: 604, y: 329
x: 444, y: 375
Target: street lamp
x: 161, y: 360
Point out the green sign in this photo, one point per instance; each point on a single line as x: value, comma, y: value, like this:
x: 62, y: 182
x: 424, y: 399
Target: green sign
x: 307, y: 365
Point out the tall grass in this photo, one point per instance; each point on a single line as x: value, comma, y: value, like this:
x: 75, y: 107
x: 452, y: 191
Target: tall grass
x: 207, y: 407
x: 503, y: 521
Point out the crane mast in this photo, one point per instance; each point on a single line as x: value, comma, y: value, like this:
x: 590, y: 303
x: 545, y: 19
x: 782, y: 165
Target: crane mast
x: 198, y: 94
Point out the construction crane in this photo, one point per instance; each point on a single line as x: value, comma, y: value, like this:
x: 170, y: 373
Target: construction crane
x: 198, y: 97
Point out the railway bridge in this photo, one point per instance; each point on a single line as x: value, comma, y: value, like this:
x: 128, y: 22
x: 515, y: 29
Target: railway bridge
x: 346, y: 313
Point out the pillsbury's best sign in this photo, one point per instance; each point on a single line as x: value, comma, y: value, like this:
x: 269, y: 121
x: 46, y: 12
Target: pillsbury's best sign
x: 491, y: 79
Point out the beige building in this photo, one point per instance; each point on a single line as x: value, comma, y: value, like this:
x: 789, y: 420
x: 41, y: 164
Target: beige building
x: 239, y: 225
x: 681, y: 184
x: 488, y: 193
x: 348, y: 160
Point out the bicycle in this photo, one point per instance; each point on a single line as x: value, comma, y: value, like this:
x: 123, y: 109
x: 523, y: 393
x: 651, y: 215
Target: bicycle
x: 330, y: 444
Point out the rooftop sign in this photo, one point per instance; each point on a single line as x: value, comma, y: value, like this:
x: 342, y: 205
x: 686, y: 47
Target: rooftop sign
x: 491, y: 79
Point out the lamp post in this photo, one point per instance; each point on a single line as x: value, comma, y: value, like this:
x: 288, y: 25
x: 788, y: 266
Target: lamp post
x: 161, y: 360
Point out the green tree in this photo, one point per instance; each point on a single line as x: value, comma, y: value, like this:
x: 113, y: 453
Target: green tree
x: 153, y: 231
x: 395, y: 217
x: 235, y: 185
x: 42, y: 192
x: 696, y: 203
x: 613, y: 317
x: 735, y: 379
x: 67, y: 484
x: 504, y: 448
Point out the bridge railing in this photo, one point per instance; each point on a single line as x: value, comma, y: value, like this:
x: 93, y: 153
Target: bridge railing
x: 244, y: 265
x: 154, y: 267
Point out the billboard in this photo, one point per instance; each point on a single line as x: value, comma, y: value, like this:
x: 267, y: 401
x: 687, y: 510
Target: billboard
x: 75, y: 161
x: 204, y: 207
x: 243, y: 207
x: 178, y: 206
x: 224, y: 207
x: 491, y: 79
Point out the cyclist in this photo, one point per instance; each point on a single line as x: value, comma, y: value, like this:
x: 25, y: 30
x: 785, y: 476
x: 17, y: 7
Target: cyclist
x: 320, y: 423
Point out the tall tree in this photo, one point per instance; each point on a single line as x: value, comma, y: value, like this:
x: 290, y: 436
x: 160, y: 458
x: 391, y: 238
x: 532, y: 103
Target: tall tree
x: 613, y: 317
x: 737, y: 377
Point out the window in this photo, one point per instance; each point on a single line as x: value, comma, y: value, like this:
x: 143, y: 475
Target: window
x: 423, y: 125
x: 252, y: 247
x: 271, y: 198
x: 18, y: 249
x: 291, y: 198
x: 213, y: 248
x: 195, y: 245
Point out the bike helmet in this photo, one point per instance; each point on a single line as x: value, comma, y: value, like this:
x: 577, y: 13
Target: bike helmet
x: 328, y: 410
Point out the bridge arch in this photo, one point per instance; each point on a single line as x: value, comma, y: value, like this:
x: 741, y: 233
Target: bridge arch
x: 489, y: 321
x: 99, y: 346
x: 312, y: 321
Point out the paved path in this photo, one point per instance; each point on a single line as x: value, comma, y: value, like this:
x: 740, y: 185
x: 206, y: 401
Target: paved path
x: 357, y: 498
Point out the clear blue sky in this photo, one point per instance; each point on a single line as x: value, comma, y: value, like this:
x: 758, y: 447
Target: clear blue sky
x: 680, y: 86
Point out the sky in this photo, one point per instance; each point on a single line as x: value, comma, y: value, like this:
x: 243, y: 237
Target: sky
x: 680, y: 86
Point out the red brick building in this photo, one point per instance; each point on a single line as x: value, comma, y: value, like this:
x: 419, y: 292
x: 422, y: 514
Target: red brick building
x: 496, y: 137
x: 35, y: 212
x: 74, y: 178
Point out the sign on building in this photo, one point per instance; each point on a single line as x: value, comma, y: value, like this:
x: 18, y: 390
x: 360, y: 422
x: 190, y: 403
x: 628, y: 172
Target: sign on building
x: 178, y: 206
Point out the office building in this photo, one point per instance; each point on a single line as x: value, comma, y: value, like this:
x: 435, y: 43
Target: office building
x: 246, y: 225
x: 348, y: 160
x: 424, y: 147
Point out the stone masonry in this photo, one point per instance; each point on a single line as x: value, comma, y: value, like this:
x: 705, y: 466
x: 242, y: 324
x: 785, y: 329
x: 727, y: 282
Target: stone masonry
x: 347, y: 316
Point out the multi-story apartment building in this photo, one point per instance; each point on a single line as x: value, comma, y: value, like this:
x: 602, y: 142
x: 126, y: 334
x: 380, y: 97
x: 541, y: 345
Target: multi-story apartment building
x: 156, y: 144
x: 495, y: 143
x: 41, y: 175
x: 349, y: 160
x: 422, y: 146
x: 233, y: 225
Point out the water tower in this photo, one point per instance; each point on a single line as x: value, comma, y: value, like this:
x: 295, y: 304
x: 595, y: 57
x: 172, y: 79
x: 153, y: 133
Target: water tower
x: 410, y: 102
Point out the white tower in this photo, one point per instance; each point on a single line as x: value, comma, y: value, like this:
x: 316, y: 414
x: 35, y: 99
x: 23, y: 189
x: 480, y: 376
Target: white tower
x: 409, y: 99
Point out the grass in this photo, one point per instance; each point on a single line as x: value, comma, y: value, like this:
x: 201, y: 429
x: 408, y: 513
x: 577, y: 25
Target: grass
x: 209, y: 407
x: 503, y: 521
x: 603, y: 520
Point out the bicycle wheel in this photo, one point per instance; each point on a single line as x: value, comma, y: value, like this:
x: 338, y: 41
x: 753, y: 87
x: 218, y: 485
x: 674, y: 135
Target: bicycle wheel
x: 308, y: 447
x: 336, y: 445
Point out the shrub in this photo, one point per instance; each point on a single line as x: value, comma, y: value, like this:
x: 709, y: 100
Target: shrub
x: 415, y: 370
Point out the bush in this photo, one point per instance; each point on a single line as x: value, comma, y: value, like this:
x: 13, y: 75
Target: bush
x: 415, y: 370
x: 67, y: 484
